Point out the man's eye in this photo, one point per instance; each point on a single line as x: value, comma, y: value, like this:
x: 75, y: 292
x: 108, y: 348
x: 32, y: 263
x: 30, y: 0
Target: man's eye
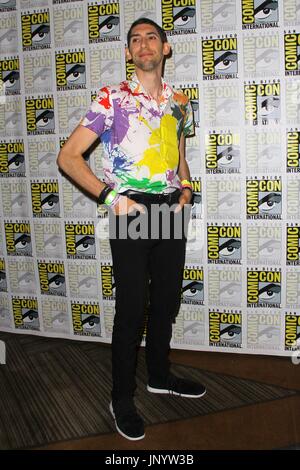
x: 22, y: 241
x: 108, y: 25
x: 16, y: 161
x: 85, y: 243
x: 229, y: 247
x: 265, y: 10
x: 184, y: 17
x: 52, y: 242
x: 225, y: 61
x: 269, y: 248
x: 228, y: 155
x: 184, y: 64
x: 91, y: 322
x: 45, y: 118
x: 269, y: 202
x: 269, y: 292
x: 230, y: 332
x: 223, y: 12
x: 230, y: 290
x: 266, y: 58
x: 75, y: 73
x: 50, y: 202
x: 269, y: 105
x: 11, y: 79
x: 56, y: 281
x: 268, y: 333
x: 73, y: 27
x: 228, y: 202
x: 40, y: 33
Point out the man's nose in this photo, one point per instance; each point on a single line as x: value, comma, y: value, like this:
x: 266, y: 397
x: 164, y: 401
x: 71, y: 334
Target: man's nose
x: 144, y: 42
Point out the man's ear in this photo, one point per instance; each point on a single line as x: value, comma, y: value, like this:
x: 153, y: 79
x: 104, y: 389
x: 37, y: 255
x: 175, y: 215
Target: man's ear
x: 166, y: 48
x: 127, y: 54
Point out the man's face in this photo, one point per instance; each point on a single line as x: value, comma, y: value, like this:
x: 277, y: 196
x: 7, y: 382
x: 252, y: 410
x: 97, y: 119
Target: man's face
x: 146, y: 49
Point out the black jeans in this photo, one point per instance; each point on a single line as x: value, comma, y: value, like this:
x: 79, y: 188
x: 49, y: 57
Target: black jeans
x: 135, y: 262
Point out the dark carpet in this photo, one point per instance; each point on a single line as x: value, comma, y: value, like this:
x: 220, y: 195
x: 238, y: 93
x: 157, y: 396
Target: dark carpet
x: 56, y: 390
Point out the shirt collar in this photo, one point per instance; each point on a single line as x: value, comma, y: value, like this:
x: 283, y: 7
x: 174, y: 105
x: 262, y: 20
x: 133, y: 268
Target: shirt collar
x: 138, y: 89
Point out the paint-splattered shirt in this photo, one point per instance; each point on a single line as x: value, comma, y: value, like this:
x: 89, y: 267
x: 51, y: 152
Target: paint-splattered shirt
x: 140, y: 137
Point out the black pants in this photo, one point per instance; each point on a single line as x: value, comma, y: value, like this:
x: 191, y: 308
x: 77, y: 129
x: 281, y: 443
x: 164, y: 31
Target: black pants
x: 135, y: 262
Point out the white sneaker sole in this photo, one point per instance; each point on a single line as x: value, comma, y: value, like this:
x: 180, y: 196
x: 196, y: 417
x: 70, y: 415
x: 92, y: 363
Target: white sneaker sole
x: 167, y: 392
x: 119, y: 430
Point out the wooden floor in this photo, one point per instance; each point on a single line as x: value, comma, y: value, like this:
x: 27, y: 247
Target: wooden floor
x: 270, y: 425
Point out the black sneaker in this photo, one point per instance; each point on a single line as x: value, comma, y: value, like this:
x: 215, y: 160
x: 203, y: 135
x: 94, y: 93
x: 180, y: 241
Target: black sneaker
x: 181, y: 387
x: 128, y: 423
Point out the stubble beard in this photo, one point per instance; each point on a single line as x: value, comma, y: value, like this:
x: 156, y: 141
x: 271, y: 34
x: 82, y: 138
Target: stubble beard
x: 148, y: 65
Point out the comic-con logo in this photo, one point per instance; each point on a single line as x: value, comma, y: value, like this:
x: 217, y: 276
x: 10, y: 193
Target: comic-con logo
x: 37, y: 67
x: 107, y: 282
x: 263, y: 330
x: 225, y: 328
x: 261, y: 54
x: 80, y: 240
x: 219, y: 58
x: 222, y: 153
x: 224, y: 244
x: 104, y: 22
x: 292, y: 53
x: 18, y: 238
x: 68, y: 24
x: 264, y: 244
x: 3, y: 280
x: 292, y: 332
x: 70, y: 70
x: 192, y: 286
x: 192, y: 92
x: 52, y: 278
x: 259, y: 14
x: 86, y: 319
x: 292, y: 244
x: 10, y: 75
x: 178, y: 16
x: 262, y: 103
x: 12, y: 158
x: 45, y: 199
x: 25, y: 312
x: 225, y: 286
x: 55, y: 315
x: 263, y: 288
x: 40, y: 115
x: 263, y: 150
x: 48, y: 238
x: 36, y: 30
x: 293, y: 151
x: 264, y: 198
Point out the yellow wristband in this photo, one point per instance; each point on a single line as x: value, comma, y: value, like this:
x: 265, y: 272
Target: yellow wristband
x: 186, y: 184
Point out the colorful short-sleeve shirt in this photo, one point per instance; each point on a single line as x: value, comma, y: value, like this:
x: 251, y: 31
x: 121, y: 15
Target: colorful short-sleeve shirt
x: 140, y: 137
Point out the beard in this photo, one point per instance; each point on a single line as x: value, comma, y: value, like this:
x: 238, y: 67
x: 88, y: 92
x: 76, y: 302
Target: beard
x: 147, y: 65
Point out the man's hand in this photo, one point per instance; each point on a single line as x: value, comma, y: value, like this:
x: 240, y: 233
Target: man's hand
x: 185, y: 198
x: 126, y: 206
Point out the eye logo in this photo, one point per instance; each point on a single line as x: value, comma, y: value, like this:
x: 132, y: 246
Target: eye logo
x: 177, y: 17
x: 270, y: 202
x: 259, y: 13
x: 184, y: 18
x: 192, y: 292
x: 226, y: 62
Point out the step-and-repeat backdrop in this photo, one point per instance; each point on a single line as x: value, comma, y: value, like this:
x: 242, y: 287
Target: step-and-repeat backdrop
x: 238, y: 62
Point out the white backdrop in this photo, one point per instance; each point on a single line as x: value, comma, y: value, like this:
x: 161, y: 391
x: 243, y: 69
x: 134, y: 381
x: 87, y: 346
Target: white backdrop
x: 238, y: 61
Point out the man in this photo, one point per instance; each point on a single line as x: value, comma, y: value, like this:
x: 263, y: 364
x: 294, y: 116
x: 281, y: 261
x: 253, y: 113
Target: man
x: 142, y: 124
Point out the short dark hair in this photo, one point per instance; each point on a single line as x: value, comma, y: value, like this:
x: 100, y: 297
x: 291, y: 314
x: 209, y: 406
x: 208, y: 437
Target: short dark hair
x: 158, y: 28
